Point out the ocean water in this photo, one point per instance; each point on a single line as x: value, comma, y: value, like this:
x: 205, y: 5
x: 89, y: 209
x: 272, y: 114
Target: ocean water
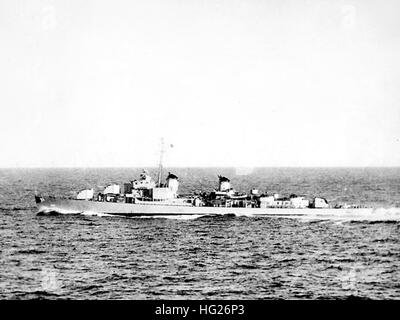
x: 90, y: 256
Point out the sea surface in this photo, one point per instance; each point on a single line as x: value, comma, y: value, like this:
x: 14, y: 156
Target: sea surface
x: 91, y: 256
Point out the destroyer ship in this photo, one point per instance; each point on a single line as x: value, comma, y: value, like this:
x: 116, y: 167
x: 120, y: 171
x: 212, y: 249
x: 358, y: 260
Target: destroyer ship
x: 146, y: 197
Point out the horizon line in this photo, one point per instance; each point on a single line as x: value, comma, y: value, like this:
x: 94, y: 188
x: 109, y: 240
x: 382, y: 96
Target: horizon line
x: 184, y: 167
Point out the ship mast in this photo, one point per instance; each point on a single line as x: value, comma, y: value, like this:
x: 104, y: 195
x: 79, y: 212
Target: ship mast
x: 160, y: 168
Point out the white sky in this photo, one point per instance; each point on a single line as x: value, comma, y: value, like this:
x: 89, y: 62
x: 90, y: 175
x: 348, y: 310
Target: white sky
x: 229, y: 83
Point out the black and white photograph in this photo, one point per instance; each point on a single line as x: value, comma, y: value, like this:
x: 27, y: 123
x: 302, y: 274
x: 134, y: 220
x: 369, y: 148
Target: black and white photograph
x: 199, y: 150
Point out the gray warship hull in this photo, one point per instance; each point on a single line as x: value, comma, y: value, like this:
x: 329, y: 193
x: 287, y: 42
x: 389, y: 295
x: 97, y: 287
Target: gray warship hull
x: 66, y: 206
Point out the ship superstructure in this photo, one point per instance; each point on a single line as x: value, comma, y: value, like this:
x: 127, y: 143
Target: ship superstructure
x: 145, y: 191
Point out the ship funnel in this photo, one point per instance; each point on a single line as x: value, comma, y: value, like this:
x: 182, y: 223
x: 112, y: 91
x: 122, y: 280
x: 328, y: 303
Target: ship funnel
x: 224, y: 184
x: 172, y: 183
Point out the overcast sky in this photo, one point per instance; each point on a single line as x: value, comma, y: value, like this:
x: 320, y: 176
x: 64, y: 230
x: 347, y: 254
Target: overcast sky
x: 228, y: 83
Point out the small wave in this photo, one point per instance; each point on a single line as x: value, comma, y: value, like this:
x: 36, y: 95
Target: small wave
x: 31, y: 251
x: 381, y: 240
x: 374, y: 221
x: 11, y: 208
x: 384, y: 221
x: 115, y: 277
x: 100, y: 293
x: 246, y: 266
x: 275, y: 284
x: 355, y: 297
x: 222, y: 217
x: 39, y: 294
x: 48, y: 213
x: 89, y: 287
x: 343, y: 260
